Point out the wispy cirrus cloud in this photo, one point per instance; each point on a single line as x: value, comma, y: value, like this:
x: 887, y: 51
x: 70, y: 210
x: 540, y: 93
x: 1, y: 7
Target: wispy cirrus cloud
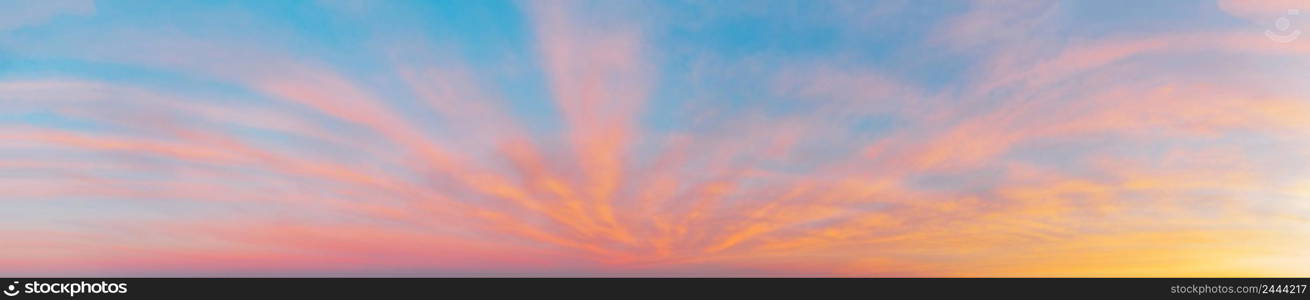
x: 597, y: 138
x: 18, y: 14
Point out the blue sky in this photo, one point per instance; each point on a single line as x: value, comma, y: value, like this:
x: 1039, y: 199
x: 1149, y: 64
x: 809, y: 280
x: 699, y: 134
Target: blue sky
x: 676, y: 138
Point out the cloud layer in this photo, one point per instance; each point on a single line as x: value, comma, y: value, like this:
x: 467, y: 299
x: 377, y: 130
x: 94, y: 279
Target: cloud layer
x: 991, y: 138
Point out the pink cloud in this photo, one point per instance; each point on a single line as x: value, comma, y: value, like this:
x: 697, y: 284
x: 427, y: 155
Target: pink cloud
x: 941, y: 193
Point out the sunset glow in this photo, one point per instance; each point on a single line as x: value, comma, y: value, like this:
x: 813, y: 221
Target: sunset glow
x: 654, y: 138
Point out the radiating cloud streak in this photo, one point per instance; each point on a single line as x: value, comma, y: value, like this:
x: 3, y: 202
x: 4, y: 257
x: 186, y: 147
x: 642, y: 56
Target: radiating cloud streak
x: 640, y: 139
x: 18, y: 14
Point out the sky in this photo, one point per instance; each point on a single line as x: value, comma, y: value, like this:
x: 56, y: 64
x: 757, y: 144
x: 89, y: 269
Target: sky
x: 655, y: 138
